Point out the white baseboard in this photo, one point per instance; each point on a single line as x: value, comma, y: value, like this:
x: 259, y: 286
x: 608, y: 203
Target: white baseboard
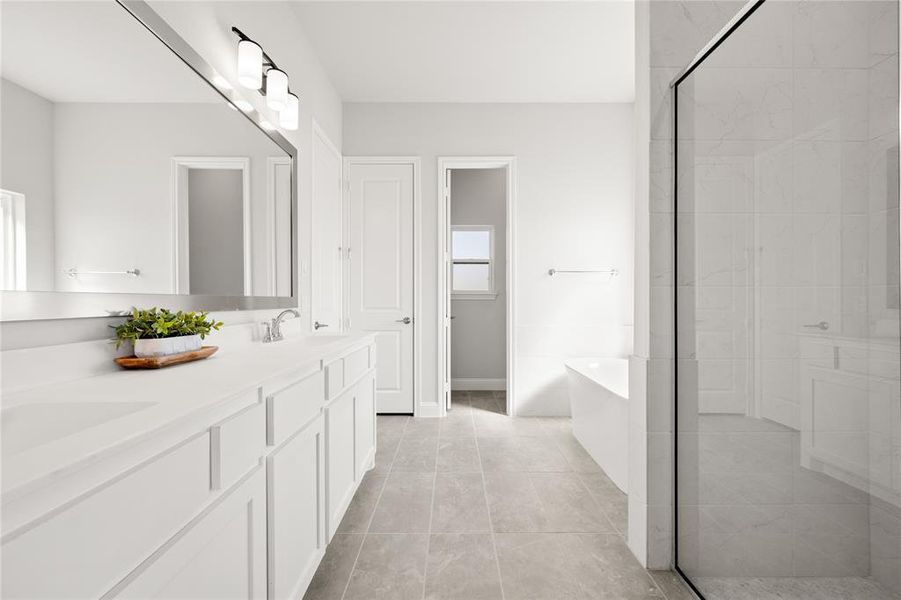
x: 429, y: 410
x: 476, y: 383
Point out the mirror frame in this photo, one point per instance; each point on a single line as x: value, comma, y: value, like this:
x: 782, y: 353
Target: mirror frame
x: 45, y: 305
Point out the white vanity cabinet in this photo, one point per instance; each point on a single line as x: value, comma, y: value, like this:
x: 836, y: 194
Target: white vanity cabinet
x: 221, y: 554
x: 296, y: 499
x: 239, y: 499
x: 850, y: 412
x: 84, y: 548
x: 350, y: 430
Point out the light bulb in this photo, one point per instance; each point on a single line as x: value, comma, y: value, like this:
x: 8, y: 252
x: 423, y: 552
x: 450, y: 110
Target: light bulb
x: 289, y: 117
x: 250, y: 64
x: 276, y: 89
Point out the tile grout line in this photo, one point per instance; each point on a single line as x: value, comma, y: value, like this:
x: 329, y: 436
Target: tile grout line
x: 597, y: 502
x: 603, y: 508
x: 374, y: 508
x: 497, y: 560
x: 581, y: 480
x: 428, y: 539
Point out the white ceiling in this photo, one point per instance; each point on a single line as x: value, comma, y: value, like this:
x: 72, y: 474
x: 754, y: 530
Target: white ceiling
x: 427, y: 51
x: 91, y: 51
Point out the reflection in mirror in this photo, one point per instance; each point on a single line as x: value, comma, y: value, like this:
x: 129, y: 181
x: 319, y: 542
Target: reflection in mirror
x: 122, y: 171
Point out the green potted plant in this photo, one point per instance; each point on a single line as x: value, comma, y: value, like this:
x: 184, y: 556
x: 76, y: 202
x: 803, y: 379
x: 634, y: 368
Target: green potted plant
x: 161, y: 332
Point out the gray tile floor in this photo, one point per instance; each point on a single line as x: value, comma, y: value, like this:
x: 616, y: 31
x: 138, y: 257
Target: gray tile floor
x: 480, y: 506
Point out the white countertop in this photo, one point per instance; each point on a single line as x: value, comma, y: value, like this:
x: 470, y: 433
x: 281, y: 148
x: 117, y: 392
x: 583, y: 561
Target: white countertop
x: 170, y: 394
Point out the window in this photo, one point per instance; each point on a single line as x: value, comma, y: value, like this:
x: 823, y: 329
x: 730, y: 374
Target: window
x: 472, y: 252
x: 12, y: 241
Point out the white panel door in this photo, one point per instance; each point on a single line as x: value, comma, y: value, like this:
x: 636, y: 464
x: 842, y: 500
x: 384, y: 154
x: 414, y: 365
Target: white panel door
x: 381, y: 274
x: 327, y: 236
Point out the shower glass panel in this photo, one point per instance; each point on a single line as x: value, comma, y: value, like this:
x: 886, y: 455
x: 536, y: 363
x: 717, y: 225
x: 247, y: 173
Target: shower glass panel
x: 788, y: 466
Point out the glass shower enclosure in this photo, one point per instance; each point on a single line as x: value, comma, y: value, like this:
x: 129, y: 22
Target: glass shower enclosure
x: 788, y: 347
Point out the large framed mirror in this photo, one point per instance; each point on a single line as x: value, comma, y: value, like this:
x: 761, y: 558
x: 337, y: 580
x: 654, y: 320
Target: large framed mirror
x: 129, y: 176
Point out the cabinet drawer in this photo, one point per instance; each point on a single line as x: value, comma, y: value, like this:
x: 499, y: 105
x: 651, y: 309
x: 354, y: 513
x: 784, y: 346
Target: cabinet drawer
x: 87, y: 547
x: 334, y: 373
x: 293, y: 407
x: 355, y: 365
x: 237, y: 445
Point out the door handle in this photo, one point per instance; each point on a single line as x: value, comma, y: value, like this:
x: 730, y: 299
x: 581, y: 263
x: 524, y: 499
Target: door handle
x: 317, y: 325
x: 405, y: 320
x: 822, y: 325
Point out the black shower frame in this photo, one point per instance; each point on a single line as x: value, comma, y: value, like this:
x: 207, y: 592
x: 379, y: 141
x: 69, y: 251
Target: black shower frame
x: 740, y: 18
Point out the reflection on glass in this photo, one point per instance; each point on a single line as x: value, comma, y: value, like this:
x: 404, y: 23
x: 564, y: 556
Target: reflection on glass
x: 789, y: 404
x: 135, y: 174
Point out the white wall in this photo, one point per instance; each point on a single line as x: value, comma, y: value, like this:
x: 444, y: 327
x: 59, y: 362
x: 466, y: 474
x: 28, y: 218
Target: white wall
x: 114, y: 208
x: 207, y: 27
x: 479, y: 328
x: 574, y: 209
x: 26, y: 167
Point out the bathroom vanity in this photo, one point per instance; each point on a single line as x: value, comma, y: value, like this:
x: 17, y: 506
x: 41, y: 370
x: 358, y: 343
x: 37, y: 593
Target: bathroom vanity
x: 224, y: 478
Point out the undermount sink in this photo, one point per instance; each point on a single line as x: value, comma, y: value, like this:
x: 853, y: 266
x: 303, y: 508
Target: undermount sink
x: 31, y: 425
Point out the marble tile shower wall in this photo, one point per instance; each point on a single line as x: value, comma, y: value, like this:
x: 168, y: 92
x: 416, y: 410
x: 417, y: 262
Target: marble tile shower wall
x: 668, y: 34
x: 788, y: 216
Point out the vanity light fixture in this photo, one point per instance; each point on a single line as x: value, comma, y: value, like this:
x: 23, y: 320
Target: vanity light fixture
x: 276, y: 89
x: 267, y: 125
x: 250, y: 64
x: 288, y: 118
x: 257, y: 71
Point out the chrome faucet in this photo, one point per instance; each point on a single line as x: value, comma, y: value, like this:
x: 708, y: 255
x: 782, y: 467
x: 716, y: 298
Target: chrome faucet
x: 274, y: 327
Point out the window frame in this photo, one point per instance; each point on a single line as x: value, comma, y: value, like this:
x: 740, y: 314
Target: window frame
x: 491, y: 292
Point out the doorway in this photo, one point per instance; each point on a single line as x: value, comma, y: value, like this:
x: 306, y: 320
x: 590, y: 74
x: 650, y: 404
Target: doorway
x: 212, y: 256
x: 476, y: 290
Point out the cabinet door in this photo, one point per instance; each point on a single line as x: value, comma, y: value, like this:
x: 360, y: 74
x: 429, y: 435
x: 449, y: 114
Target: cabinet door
x: 340, y: 467
x: 364, y: 434
x: 87, y: 547
x: 296, y: 511
x: 221, y: 554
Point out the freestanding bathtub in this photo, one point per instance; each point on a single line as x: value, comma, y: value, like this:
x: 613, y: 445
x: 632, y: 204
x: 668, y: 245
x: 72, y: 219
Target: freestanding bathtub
x: 599, y: 398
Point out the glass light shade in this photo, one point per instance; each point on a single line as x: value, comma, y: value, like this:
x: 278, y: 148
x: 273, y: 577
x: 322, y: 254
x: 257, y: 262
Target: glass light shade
x: 276, y: 89
x: 250, y: 64
x: 289, y: 117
